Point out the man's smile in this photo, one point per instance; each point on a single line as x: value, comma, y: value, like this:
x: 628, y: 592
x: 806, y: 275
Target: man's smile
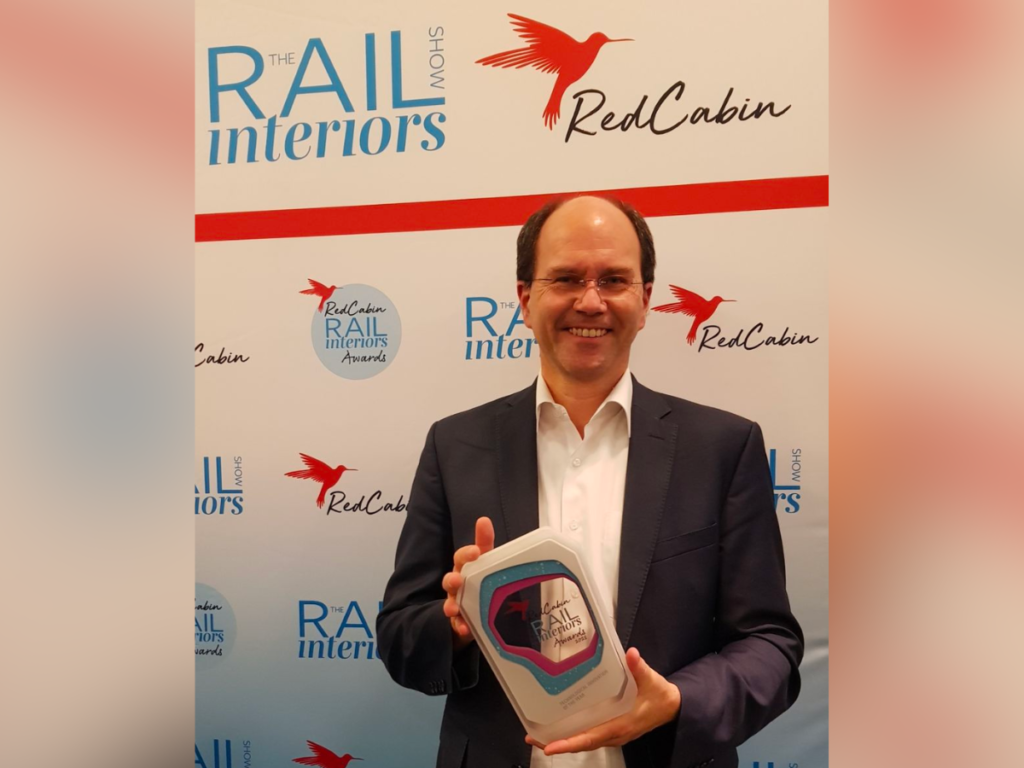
x: 589, y: 333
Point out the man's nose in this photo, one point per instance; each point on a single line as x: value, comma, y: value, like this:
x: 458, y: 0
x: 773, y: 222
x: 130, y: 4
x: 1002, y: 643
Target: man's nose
x: 590, y: 301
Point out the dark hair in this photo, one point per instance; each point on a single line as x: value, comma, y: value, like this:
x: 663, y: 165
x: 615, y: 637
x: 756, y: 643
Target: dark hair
x: 526, y: 245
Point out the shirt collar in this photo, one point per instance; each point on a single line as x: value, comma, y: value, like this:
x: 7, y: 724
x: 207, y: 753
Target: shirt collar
x: 621, y: 394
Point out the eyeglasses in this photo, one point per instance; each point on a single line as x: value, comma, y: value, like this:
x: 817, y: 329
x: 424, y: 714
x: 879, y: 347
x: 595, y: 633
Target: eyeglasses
x: 607, y: 287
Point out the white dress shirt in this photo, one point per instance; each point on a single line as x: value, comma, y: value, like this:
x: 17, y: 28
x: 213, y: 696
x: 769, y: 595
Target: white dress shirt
x: 581, y: 483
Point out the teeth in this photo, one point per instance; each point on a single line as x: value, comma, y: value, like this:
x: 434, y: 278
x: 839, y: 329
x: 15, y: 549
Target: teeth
x: 588, y: 333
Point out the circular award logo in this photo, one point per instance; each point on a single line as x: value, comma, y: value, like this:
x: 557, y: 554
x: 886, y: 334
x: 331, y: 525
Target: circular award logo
x: 215, y: 626
x: 357, y: 333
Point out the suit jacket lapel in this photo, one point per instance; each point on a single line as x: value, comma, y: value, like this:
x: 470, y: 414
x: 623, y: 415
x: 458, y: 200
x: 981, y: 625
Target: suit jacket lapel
x: 652, y: 447
x: 517, y: 464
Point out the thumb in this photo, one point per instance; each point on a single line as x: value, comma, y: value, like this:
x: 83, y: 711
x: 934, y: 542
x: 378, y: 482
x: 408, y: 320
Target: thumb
x: 637, y: 666
x: 484, y: 534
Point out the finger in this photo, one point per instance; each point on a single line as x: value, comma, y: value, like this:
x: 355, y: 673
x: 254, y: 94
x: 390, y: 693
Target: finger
x: 581, y: 742
x: 606, y: 734
x: 452, y: 583
x: 639, y: 668
x: 461, y: 627
x: 466, y: 555
x: 451, y: 608
x: 636, y: 664
x: 484, y: 534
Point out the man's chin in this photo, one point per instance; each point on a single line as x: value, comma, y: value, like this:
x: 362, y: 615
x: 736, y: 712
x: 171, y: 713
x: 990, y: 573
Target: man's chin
x: 588, y: 370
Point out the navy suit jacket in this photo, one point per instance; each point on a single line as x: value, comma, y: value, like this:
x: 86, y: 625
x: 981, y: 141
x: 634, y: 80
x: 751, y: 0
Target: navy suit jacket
x: 701, y: 591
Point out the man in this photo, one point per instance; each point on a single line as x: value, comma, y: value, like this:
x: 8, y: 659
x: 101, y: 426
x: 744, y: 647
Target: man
x: 671, y: 501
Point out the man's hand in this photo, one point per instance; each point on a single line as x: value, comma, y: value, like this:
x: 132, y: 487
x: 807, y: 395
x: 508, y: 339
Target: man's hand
x: 657, y: 703
x: 452, y: 580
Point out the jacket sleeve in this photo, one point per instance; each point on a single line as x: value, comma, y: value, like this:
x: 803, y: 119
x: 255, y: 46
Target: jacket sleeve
x: 728, y: 696
x: 413, y: 634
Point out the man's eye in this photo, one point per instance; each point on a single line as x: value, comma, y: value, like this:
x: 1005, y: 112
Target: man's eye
x: 616, y: 280
x: 565, y: 280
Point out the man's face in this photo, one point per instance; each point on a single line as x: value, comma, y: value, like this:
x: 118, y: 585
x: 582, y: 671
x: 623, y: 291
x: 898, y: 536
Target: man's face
x: 585, y: 337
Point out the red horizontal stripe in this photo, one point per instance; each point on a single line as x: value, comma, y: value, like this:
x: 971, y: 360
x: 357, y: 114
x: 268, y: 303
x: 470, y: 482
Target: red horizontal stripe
x: 677, y: 200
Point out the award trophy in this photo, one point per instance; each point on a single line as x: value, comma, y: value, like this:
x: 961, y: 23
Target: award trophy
x: 533, y: 609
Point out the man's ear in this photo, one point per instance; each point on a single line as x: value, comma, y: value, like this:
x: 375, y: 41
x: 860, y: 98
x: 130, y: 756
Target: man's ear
x: 523, y: 292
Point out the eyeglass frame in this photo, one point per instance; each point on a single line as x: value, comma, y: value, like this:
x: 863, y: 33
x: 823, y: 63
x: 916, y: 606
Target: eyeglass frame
x: 584, y: 283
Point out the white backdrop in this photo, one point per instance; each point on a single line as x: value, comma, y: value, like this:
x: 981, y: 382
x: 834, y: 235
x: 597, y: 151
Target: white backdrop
x: 274, y: 571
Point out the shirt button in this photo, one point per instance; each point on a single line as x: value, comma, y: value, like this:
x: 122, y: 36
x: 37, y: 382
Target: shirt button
x: 574, y: 525
x: 576, y: 462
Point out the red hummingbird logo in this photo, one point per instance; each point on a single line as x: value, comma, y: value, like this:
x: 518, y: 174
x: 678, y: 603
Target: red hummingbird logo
x: 697, y: 307
x: 551, y: 50
x: 323, y: 473
x: 321, y: 290
x: 323, y: 757
x: 518, y: 606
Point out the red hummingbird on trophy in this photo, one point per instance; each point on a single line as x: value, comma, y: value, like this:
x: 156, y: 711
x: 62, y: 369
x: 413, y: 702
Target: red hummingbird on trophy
x: 324, y: 474
x: 518, y: 606
x: 697, y: 307
x: 551, y: 50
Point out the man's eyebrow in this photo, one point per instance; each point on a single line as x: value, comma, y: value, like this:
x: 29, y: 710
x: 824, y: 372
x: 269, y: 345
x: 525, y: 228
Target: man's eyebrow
x: 626, y: 271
